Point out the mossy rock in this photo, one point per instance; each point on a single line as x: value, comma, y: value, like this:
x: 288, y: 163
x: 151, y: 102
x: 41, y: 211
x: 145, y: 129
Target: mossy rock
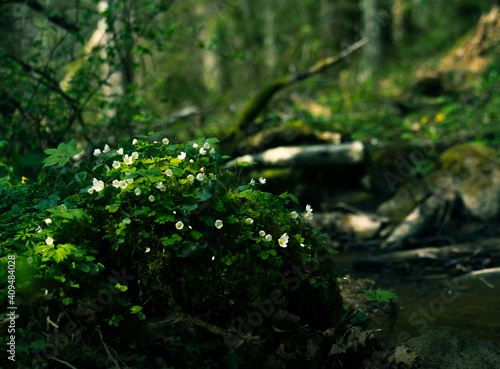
x: 406, y: 198
x: 392, y: 166
x: 475, y: 173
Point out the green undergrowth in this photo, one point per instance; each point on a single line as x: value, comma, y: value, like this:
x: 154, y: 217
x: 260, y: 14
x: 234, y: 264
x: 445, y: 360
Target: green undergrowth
x: 151, y: 228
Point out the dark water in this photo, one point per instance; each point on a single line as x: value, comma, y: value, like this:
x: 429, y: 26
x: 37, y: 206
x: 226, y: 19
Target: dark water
x: 423, y: 305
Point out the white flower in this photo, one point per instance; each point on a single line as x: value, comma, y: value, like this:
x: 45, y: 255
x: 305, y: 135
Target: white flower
x: 212, y: 151
x: 48, y: 221
x: 179, y: 225
x: 249, y: 220
x: 218, y: 224
x: 49, y: 241
x: 161, y: 186
x: 90, y: 191
x: 182, y: 156
x: 262, y: 180
x: 190, y: 177
x: 294, y: 214
x: 200, y: 177
x: 262, y: 233
x: 168, y: 172
x: 106, y: 149
x: 97, y: 152
x: 97, y: 185
x: 135, y: 155
x: 308, y: 216
x: 308, y: 208
x: 120, y: 151
x: 134, y: 141
x: 137, y: 191
x: 127, y: 159
x: 283, y: 240
x: 213, y: 257
x: 165, y: 141
x: 130, y: 180
x: 116, y: 164
x: 206, y: 145
x: 38, y: 229
x: 252, y: 181
x: 302, y: 245
x: 151, y: 198
x: 147, y: 250
x: 269, y: 237
x: 29, y: 260
x: 195, y: 145
x: 123, y: 184
x: 116, y: 183
x: 203, y: 151
x: 191, y: 160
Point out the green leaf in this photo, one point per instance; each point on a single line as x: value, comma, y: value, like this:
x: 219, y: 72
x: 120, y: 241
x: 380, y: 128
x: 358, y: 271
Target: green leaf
x: 121, y: 287
x: 84, y: 268
x: 135, y: 309
x: 51, y: 160
x: 112, y: 208
x: 263, y: 254
x: 67, y: 301
x: 59, y: 254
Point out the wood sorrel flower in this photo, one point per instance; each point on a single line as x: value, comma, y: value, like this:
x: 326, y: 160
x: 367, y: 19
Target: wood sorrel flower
x: 283, y: 240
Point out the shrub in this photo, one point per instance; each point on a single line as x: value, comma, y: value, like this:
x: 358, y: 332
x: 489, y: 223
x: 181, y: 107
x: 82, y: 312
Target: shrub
x: 151, y: 227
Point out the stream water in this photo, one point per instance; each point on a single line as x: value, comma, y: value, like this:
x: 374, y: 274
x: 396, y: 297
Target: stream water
x: 423, y: 305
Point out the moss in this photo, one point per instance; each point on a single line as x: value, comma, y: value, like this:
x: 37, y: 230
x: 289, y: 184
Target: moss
x: 473, y: 164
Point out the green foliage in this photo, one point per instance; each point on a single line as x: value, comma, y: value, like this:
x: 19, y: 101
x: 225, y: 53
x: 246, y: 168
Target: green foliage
x: 380, y: 295
x: 150, y: 226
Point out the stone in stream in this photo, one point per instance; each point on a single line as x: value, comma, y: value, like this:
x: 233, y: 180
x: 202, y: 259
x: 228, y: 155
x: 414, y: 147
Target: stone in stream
x: 450, y: 348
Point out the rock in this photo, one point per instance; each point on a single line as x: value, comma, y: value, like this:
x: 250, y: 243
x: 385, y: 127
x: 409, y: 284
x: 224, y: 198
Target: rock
x: 406, y: 198
x: 450, y: 348
x: 475, y: 175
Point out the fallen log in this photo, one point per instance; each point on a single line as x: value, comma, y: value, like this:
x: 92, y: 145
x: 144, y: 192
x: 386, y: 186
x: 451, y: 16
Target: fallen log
x: 359, y: 225
x: 491, y: 273
x: 443, y: 252
x: 260, y: 101
x: 308, y: 156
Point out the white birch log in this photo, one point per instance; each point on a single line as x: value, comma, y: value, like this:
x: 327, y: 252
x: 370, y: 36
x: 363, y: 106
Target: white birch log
x: 308, y: 156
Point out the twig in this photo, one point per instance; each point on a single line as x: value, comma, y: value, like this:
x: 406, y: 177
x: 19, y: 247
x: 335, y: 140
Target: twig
x: 61, y: 361
x: 106, y: 348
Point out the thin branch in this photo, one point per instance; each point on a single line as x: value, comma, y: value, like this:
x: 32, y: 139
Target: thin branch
x: 61, y: 361
x: 60, y: 21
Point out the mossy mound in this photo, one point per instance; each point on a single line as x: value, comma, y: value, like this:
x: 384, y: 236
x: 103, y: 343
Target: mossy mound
x: 475, y: 173
x: 152, y: 228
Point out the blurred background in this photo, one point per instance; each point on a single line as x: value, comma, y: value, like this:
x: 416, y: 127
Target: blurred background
x: 101, y: 71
